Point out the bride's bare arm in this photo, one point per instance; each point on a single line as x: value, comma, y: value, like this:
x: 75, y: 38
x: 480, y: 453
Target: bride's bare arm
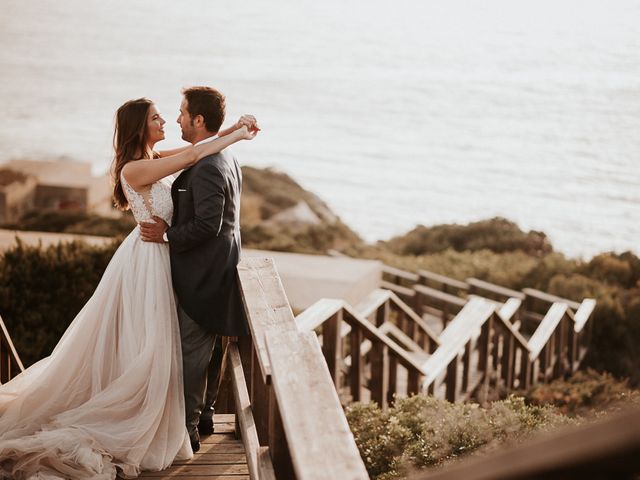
x: 174, y: 151
x: 142, y: 173
x: 246, y: 120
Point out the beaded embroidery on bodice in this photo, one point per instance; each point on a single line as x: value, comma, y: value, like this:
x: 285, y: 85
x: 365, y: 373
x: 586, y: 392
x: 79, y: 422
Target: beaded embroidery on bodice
x: 157, y: 201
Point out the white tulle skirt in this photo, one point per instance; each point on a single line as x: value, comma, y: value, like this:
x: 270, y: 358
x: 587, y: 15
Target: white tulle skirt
x: 110, y: 395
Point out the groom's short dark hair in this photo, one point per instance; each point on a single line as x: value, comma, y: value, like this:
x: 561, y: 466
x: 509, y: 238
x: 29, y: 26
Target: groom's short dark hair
x: 209, y: 103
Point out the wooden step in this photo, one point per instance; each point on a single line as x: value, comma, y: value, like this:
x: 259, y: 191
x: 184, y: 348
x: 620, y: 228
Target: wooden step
x: 221, y: 457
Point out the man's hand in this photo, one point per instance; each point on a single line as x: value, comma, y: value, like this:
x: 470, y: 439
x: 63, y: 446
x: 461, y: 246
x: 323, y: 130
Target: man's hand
x: 248, y: 121
x: 152, y: 232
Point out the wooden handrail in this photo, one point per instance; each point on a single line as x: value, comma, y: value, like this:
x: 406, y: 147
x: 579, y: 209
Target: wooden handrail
x: 258, y: 277
x: 473, y: 315
x: 396, y: 272
x: 258, y: 458
x: 318, y: 313
x: 546, y: 329
x: 439, y: 295
x: 509, y: 308
x: 291, y: 398
x: 318, y: 435
x: 549, y: 298
x: 10, y: 363
x: 373, y: 334
x: 583, y: 313
x: 483, y: 285
x: 378, y: 297
x: 442, y: 279
x: 608, y: 448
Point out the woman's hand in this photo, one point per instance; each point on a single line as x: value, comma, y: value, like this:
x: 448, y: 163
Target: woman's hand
x: 248, y: 121
x: 248, y: 133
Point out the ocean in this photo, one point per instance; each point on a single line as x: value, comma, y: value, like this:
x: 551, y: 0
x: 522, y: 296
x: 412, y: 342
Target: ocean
x: 396, y: 114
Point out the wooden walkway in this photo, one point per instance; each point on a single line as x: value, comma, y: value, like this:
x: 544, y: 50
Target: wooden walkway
x: 221, y: 457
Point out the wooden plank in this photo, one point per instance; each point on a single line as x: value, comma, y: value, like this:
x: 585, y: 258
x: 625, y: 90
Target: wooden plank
x: 266, y: 304
x: 583, y: 313
x: 249, y: 433
x: 398, y: 289
x: 215, y: 459
x: 609, y: 448
x: 201, y: 470
x: 403, y: 339
x: 546, y: 328
x: 201, y: 477
x: 373, y: 302
x: 396, y: 272
x: 316, y: 314
x: 444, y: 280
x: 440, y: 296
x: 218, y: 438
x: 265, y: 466
x: 415, y: 318
x: 6, y: 339
x: 549, y: 298
x: 509, y: 308
x: 312, y: 416
x: 474, y: 314
x: 478, y: 284
x: 220, y: 446
x: 373, y: 334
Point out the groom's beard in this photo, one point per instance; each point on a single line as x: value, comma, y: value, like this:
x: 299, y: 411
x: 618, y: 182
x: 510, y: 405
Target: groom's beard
x: 188, y: 134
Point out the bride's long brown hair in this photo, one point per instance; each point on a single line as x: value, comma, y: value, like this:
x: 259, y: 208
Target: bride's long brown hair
x: 129, y: 142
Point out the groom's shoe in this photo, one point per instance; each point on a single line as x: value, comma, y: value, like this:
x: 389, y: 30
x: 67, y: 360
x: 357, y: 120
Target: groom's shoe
x: 205, y: 426
x: 195, y: 442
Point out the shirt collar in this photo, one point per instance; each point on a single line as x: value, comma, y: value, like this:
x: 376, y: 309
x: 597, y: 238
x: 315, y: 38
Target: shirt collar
x: 208, y: 139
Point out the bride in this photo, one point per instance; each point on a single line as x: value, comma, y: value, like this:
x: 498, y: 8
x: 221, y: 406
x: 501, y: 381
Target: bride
x: 109, y: 398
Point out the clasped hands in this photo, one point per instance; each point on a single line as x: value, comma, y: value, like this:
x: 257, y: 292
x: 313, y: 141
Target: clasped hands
x: 154, y: 232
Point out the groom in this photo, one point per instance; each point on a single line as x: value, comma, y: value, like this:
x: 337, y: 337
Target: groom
x: 204, y: 245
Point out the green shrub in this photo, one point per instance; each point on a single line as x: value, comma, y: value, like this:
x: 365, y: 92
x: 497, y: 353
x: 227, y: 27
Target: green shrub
x: 421, y: 431
x: 42, y: 290
x: 585, y: 393
x: 74, y: 222
x: 498, y: 235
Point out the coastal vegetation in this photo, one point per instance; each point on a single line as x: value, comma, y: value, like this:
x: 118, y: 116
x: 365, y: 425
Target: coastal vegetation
x: 42, y: 289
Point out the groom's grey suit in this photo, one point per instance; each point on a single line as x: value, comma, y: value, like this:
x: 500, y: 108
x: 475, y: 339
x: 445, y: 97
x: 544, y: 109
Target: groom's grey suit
x: 204, y: 243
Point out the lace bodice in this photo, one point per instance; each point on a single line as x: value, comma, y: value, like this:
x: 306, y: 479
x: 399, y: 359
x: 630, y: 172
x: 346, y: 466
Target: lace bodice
x: 157, y: 201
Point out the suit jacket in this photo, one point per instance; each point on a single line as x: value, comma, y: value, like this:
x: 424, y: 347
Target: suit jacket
x: 204, y: 243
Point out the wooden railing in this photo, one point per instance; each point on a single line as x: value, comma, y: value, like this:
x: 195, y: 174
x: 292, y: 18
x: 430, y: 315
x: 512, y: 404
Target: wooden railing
x: 463, y: 358
x: 10, y: 363
x: 277, y: 383
x: 365, y: 364
x: 554, y: 345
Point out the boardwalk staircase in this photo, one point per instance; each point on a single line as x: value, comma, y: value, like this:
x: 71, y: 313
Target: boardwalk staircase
x: 279, y: 413
x: 453, y: 339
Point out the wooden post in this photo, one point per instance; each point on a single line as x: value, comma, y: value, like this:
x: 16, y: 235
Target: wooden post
x: 379, y: 374
x: 452, y: 379
x: 382, y: 314
x: 393, y: 379
x: 357, y: 365
x: 561, y: 348
x: 413, y: 384
x: 278, y: 442
x: 260, y: 400
x: 525, y: 370
x: 466, y: 366
x: 331, y: 343
x: 508, y: 360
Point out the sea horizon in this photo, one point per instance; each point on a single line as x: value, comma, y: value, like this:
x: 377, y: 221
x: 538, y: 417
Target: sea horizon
x: 425, y: 114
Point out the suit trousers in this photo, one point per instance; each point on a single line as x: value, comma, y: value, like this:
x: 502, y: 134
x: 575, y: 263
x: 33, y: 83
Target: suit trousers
x: 197, y: 349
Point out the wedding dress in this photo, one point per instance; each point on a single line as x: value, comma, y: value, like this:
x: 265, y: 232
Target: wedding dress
x: 110, y: 395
